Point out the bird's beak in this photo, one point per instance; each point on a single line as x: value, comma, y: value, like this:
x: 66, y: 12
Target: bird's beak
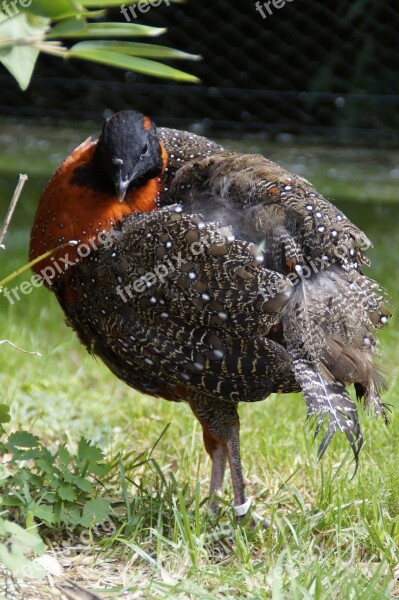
x: 121, y: 188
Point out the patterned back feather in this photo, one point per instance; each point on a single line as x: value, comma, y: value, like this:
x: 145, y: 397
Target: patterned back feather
x: 329, y: 320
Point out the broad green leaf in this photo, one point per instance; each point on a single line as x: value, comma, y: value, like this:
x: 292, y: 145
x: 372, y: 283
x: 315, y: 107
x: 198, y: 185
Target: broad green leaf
x: 141, y: 65
x: 20, y: 60
x: 36, y: 480
x: 72, y: 28
x: 22, y: 474
x: 50, y: 497
x: 68, y: 477
x: 46, y: 465
x: 22, y: 439
x: 138, y: 49
x: 95, y: 511
x: 86, y: 451
x: 53, y: 9
x: 11, y: 501
x: 45, y: 513
x: 66, y: 492
x: 64, y: 455
x: 83, y: 484
x: 31, y: 453
x: 99, y: 469
x: 72, y: 516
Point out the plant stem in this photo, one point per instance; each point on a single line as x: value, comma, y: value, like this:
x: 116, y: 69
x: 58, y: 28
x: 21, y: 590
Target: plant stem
x: 11, y: 208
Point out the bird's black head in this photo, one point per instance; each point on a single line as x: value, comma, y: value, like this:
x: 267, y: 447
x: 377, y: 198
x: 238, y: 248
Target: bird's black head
x: 129, y: 150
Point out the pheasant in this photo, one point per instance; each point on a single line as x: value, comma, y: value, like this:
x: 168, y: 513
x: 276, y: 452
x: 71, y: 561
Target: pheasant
x: 211, y: 277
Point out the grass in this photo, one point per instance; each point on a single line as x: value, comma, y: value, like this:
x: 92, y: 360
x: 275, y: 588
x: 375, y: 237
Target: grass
x: 332, y: 536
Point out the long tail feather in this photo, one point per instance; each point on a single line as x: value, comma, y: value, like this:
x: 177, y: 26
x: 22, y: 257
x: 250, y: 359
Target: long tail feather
x: 328, y: 400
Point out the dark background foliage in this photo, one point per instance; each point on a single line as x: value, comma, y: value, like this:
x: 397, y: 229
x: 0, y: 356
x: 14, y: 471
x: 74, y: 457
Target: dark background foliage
x: 311, y: 68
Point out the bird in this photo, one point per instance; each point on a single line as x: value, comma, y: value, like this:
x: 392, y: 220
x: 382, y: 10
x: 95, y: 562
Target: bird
x: 211, y: 277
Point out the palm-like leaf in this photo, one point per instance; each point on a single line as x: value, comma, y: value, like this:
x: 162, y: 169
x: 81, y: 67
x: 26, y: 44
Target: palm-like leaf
x: 43, y: 26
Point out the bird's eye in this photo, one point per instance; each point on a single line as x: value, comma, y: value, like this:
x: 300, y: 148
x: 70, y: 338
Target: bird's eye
x: 144, y: 150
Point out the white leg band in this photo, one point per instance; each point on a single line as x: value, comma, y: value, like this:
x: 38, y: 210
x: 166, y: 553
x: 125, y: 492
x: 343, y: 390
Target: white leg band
x: 242, y: 509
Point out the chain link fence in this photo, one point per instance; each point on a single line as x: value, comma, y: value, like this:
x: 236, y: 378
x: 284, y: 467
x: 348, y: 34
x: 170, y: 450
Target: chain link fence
x: 300, y: 67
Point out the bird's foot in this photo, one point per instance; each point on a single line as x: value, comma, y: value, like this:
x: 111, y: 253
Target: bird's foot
x: 244, y: 514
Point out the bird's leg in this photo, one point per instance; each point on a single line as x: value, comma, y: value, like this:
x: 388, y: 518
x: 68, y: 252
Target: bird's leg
x: 221, y: 430
x: 241, y: 503
x: 217, y: 451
